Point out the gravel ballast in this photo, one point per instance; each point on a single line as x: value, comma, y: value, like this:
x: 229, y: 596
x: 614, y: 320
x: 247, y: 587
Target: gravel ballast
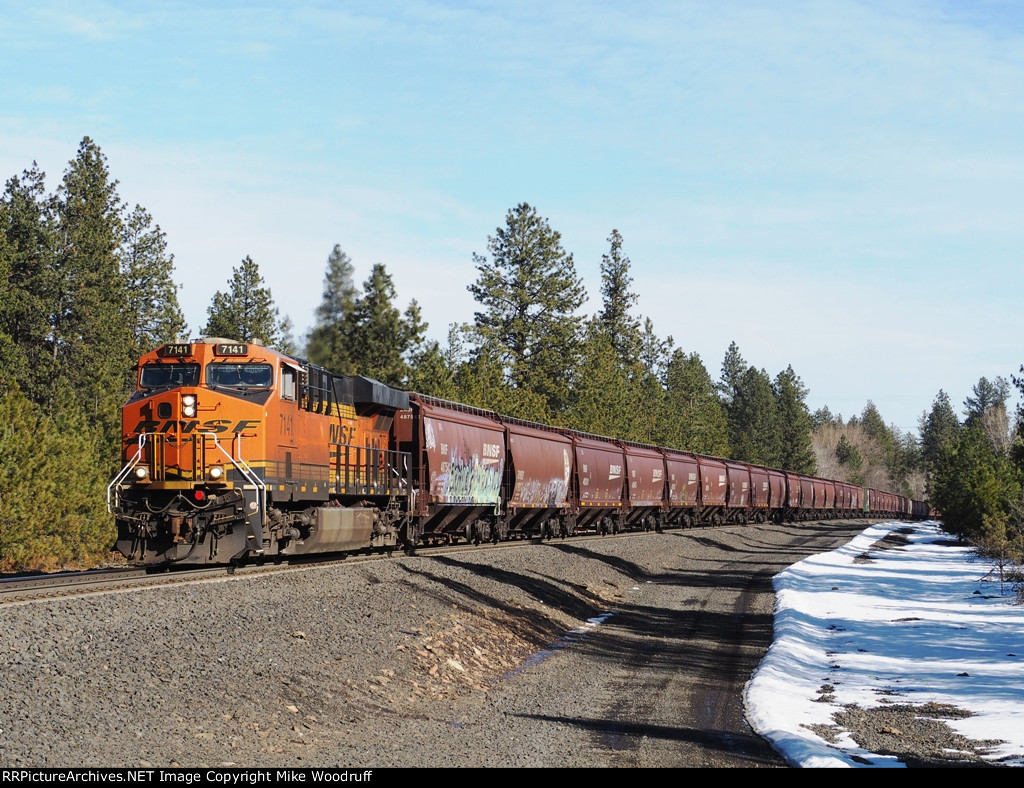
x: 495, y: 658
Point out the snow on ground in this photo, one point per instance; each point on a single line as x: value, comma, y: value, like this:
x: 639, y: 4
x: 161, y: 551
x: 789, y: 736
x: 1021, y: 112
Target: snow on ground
x: 922, y: 621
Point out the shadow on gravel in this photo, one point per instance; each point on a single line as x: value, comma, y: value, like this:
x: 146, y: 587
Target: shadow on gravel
x: 627, y: 568
x: 677, y: 640
x: 573, y: 598
x: 610, y: 730
x: 538, y: 627
x: 668, y: 638
x: 697, y: 578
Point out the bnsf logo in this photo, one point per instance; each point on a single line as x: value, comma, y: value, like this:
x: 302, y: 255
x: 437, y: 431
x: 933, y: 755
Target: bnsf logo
x: 187, y: 427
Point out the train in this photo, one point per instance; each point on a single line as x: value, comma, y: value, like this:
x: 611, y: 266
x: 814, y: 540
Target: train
x: 234, y: 452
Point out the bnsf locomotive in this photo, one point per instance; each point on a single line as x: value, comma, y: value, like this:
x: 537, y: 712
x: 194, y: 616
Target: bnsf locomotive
x: 233, y: 451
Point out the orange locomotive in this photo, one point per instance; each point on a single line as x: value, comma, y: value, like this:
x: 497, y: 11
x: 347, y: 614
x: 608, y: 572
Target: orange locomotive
x: 232, y: 449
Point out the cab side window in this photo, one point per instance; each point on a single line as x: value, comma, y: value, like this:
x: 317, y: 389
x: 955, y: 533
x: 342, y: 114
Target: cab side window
x: 288, y: 378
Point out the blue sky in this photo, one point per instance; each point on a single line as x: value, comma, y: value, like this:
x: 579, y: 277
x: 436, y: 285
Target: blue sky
x: 838, y: 186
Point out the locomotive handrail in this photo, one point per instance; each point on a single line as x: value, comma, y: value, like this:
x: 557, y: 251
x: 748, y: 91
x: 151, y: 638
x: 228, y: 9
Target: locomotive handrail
x: 242, y: 467
x: 124, y: 473
x: 250, y: 476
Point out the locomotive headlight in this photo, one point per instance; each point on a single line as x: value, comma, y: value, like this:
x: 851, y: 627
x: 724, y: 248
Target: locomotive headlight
x: 188, y: 405
x: 141, y: 473
x: 215, y: 474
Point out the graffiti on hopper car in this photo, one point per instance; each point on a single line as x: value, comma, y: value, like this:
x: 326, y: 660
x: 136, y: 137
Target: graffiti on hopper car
x: 468, y: 481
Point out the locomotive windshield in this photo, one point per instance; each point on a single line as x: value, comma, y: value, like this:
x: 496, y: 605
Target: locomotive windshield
x: 240, y: 376
x: 159, y: 376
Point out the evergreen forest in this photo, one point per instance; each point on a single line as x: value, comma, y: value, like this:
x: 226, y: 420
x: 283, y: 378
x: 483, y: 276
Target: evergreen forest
x: 89, y: 286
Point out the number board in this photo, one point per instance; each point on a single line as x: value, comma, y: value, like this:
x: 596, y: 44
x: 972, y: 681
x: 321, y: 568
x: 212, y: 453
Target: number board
x: 231, y: 350
x: 175, y: 351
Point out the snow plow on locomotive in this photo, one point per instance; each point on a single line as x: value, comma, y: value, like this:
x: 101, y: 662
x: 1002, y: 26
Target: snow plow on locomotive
x: 233, y: 451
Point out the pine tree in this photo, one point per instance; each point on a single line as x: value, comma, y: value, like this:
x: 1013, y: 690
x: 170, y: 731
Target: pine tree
x: 974, y: 486
x: 988, y: 408
x: 618, y: 301
x: 382, y: 339
x: 287, y: 344
x: 987, y: 395
x: 602, y: 401
x: 51, y: 485
x: 733, y: 367
x: 795, y: 423
x: 848, y: 455
x: 530, y: 292
x: 694, y: 420
x: 939, y: 429
x: 1017, y: 447
x: 823, y: 416
x: 327, y: 343
x: 647, y: 403
x: 430, y: 373
x: 246, y: 312
x: 153, y: 313
x: 480, y: 381
x: 754, y: 431
x: 887, y: 445
x: 635, y: 393
x: 10, y: 359
x: 91, y: 342
x: 28, y: 227
x: 655, y: 352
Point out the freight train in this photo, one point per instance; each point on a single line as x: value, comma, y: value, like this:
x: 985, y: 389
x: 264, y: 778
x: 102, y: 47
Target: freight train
x: 233, y: 451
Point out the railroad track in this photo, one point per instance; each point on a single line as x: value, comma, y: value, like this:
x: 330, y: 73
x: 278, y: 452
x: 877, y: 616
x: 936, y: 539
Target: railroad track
x: 31, y: 587
x: 23, y: 588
